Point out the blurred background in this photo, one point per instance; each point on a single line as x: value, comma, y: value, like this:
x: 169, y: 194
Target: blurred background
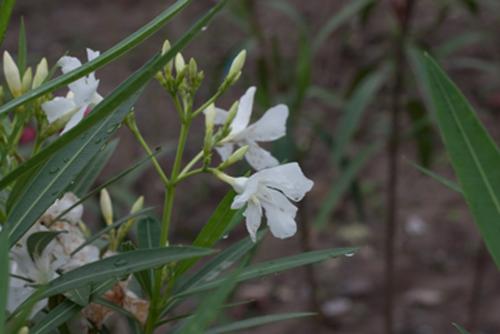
x: 345, y: 69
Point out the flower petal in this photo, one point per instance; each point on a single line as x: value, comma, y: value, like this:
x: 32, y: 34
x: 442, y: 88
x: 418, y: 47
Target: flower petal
x: 74, y: 120
x: 253, y: 215
x: 225, y: 150
x: 246, y: 188
x: 68, y: 63
x: 271, y: 126
x: 259, y: 158
x: 57, y: 108
x: 84, y: 90
x: 280, y: 213
x: 64, y: 203
x: 287, y: 178
x: 244, y: 112
x: 220, y: 115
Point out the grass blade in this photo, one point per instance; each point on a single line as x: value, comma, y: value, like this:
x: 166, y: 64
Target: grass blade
x: 339, y: 187
x: 345, y: 14
x: 473, y: 153
x: 444, y: 181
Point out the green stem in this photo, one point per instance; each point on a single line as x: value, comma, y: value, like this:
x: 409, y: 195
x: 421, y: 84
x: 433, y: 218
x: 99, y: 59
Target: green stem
x: 165, y: 225
x: 132, y: 125
x: 190, y: 165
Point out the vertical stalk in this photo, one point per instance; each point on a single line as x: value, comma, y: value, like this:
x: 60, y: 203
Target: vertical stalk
x: 403, y: 12
x: 165, y: 225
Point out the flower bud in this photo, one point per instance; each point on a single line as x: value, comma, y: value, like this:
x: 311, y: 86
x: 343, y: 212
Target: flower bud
x: 165, y: 48
x: 27, y: 79
x: 210, y: 117
x: 237, y: 66
x: 12, y: 75
x: 180, y: 63
x: 138, y: 205
x: 106, y: 207
x: 235, y: 157
x: 24, y: 330
x: 41, y: 73
x: 193, y: 69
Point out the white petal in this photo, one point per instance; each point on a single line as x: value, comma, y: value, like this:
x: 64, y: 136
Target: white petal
x: 244, y: 112
x: 253, y: 215
x: 225, y: 151
x: 84, y: 90
x: 74, y: 120
x: 220, y: 115
x: 287, y: 178
x: 57, y: 108
x: 259, y: 158
x: 64, y: 203
x: 68, y: 64
x: 280, y: 214
x: 246, y: 188
x: 269, y: 127
x: 91, y: 54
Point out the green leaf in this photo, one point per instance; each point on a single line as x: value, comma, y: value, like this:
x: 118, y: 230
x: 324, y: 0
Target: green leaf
x: 56, y: 317
x: 213, y: 268
x: 341, y: 185
x: 460, y: 329
x: 474, y: 155
x: 81, y: 295
x: 87, y: 177
x: 115, y: 52
x: 444, y: 181
x: 38, y: 241
x: 271, y: 267
x: 22, y: 48
x: 257, y: 321
x: 210, y: 306
x: 148, y: 235
x: 344, y: 15
x: 212, y: 231
x: 4, y: 274
x: 108, y: 228
x: 130, y: 87
x: 120, y: 265
x: 54, y: 177
x: 353, y: 112
x: 6, y: 7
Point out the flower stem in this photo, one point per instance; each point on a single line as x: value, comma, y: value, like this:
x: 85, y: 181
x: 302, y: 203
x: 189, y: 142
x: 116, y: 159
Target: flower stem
x: 132, y: 125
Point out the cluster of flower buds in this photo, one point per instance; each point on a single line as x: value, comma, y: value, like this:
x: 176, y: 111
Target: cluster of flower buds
x: 185, y: 80
x: 19, y: 84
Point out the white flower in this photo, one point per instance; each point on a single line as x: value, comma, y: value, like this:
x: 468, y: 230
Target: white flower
x: 269, y: 190
x: 56, y: 257
x: 271, y: 126
x: 63, y: 204
x: 82, y: 95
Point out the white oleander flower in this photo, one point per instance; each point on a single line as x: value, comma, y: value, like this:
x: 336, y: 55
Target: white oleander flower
x: 56, y: 257
x: 82, y: 95
x: 271, y: 126
x: 268, y: 191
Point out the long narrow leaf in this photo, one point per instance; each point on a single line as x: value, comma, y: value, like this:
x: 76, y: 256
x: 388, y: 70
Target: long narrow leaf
x: 270, y: 267
x: 56, y: 317
x: 6, y: 7
x: 474, y: 155
x: 460, y: 329
x: 4, y: 273
x: 120, y: 265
